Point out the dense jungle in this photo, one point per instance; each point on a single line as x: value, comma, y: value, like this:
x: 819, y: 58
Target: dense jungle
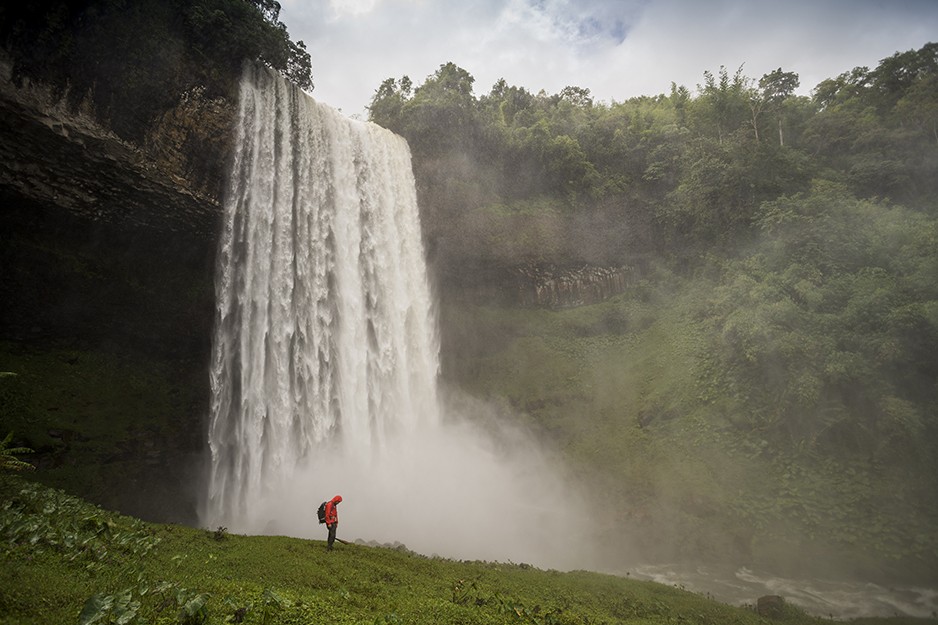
x: 718, y: 305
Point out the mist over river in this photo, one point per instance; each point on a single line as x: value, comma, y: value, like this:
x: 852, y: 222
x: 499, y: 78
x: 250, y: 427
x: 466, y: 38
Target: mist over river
x: 820, y: 597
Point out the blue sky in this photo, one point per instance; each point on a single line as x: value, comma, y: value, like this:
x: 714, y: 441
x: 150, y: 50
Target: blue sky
x: 615, y: 48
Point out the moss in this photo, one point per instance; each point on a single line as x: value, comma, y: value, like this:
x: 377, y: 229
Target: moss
x: 101, y: 423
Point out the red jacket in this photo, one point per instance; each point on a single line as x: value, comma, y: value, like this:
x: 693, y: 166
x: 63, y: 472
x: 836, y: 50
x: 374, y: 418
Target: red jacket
x: 332, y: 515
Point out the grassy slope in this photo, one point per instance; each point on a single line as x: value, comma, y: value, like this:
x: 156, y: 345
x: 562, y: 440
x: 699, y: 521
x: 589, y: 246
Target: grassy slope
x: 58, y: 552
x: 623, y: 387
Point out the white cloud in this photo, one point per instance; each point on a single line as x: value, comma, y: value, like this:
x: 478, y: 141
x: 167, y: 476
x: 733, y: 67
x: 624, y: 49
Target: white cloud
x: 351, y: 7
x: 616, y: 48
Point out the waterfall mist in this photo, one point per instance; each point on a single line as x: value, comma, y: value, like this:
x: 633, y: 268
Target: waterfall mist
x: 325, y: 358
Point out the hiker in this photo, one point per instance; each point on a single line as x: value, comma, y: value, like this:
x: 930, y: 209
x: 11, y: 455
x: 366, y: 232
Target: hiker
x: 332, y: 518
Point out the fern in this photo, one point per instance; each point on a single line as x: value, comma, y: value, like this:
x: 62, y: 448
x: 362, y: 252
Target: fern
x: 8, y: 459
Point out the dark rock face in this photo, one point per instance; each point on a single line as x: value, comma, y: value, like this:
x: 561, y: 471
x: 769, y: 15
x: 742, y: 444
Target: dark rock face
x: 108, y: 245
x: 555, y: 287
x: 99, y: 233
x: 538, y: 285
x: 61, y: 158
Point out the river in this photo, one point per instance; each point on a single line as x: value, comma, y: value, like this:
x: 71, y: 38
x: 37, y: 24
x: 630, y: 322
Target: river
x: 824, y: 598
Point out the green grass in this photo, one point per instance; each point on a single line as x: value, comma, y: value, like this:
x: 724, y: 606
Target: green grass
x: 62, y: 557
x: 97, y: 417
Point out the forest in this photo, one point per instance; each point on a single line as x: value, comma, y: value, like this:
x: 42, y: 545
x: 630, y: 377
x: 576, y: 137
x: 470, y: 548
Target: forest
x: 769, y: 374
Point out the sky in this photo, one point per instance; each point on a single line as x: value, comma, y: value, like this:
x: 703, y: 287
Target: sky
x: 615, y: 48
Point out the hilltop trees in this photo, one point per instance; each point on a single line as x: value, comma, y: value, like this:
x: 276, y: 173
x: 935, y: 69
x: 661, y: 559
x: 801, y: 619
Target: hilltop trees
x: 876, y: 128
x: 774, y: 89
x: 689, y: 170
x: 130, y: 61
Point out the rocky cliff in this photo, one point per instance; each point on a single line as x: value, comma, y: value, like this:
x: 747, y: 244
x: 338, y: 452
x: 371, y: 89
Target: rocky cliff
x: 61, y: 157
x: 107, y: 249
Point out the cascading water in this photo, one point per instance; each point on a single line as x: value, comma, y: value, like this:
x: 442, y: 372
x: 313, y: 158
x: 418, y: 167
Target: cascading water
x: 323, y: 328
x: 325, y: 356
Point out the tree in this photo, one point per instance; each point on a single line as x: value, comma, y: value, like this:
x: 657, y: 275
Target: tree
x: 387, y: 104
x: 847, y: 87
x: 722, y: 102
x: 919, y: 106
x: 505, y: 102
x: 774, y: 88
x: 442, y: 112
x: 577, y: 96
x: 897, y: 74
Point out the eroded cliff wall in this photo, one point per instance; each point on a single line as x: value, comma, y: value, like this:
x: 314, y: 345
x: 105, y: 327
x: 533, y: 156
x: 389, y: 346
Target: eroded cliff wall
x: 107, y: 249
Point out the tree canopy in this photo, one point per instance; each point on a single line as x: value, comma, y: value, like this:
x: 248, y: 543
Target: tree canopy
x: 694, y: 168
x: 165, y: 48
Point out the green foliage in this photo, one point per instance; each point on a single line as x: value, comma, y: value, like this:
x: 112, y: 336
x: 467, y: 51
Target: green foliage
x: 680, y: 176
x: 119, y: 609
x: 826, y: 325
x: 8, y: 459
x: 90, y: 416
x: 440, y: 115
x: 280, y: 581
x: 167, y: 48
x: 720, y: 110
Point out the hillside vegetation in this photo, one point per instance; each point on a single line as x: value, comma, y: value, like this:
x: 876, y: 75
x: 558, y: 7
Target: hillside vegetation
x: 766, y: 389
x: 66, y: 561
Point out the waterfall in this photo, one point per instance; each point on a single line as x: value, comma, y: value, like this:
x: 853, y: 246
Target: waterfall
x: 325, y: 356
x: 323, y: 329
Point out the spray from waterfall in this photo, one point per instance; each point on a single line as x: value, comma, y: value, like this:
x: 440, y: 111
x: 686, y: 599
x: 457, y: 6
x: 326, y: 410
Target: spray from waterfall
x: 325, y: 357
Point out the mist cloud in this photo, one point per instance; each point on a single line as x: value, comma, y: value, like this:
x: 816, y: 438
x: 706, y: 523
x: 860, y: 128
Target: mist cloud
x: 471, y: 488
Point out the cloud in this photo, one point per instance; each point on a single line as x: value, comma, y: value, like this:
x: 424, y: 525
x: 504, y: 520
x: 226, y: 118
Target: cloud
x: 579, y: 24
x: 351, y: 7
x: 616, y: 48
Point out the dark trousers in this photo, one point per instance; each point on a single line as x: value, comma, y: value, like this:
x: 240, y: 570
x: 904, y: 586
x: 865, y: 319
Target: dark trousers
x: 332, y: 527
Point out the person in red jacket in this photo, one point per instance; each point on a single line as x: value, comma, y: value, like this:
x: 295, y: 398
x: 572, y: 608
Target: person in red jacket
x: 332, y: 518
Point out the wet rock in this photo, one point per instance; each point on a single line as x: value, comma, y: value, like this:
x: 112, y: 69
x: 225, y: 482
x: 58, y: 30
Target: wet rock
x: 59, y: 157
x: 558, y: 287
x: 770, y: 606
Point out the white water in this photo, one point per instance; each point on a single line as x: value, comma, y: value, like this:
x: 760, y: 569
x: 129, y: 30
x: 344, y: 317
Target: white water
x: 325, y: 357
x: 820, y: 597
